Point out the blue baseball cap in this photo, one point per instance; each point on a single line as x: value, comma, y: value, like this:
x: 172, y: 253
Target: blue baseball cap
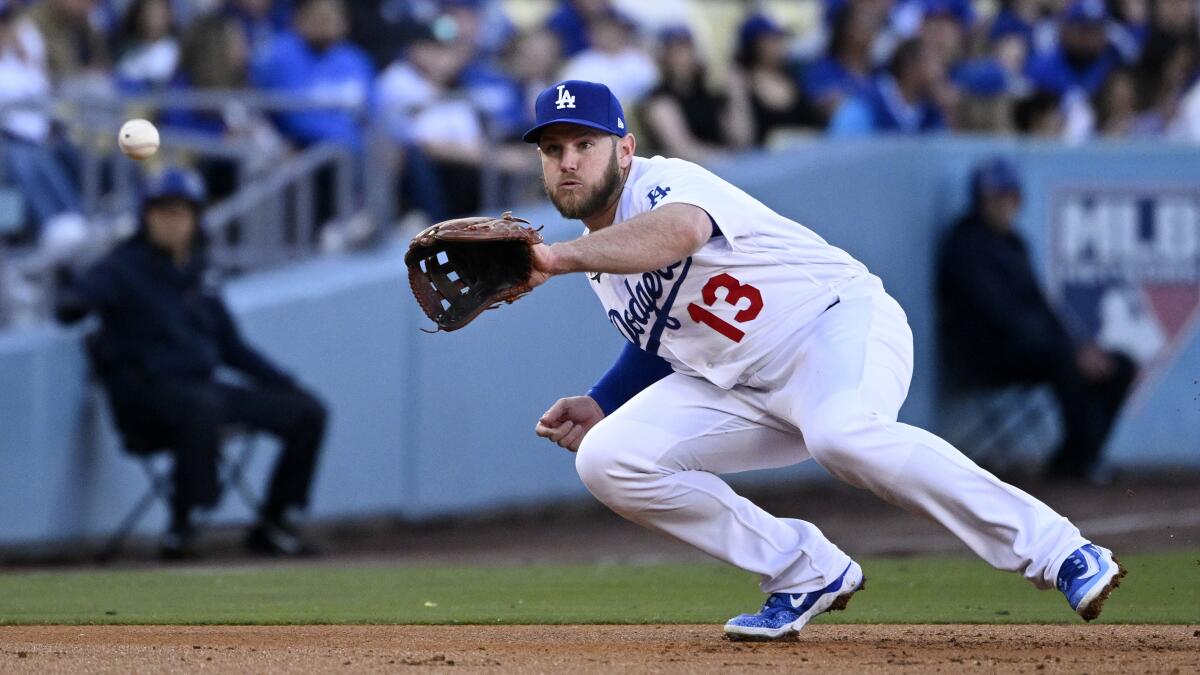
x: 756, y: 26
x: 1086, y: 11
x: 174, y: 183
x: 588, y: 104
x: 960, y: 10
x: 675, y: 33
x: 995, y: 176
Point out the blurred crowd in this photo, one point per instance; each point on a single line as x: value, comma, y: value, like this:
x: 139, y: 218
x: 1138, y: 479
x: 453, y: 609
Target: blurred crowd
x: 448, y: 80
x: 1066, y: 69
x: 444, y: 88
x: 451, y: 81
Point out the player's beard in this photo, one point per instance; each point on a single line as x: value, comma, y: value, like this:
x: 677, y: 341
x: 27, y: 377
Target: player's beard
x: 576, y: 206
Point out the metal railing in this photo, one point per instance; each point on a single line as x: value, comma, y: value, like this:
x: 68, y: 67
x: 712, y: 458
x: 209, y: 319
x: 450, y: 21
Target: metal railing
x: 274, y: 219
x: 95, y: 120
x: 270, y: 218
x: 273, y: 215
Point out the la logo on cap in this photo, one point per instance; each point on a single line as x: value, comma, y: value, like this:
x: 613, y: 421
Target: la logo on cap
x: 565, y: 99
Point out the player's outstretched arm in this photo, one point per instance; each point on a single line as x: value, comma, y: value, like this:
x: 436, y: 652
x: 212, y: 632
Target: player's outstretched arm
x: 647, y: 242
x: 569, y: 420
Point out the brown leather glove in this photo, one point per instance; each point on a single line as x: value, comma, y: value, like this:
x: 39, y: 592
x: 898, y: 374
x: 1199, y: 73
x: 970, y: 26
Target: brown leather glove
x: 458, y: 268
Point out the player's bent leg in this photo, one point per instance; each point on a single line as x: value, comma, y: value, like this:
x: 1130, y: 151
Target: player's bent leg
x: 1007, y: 527
x: 653, y: 462
x: 921, y: 473
x: 863, y: 351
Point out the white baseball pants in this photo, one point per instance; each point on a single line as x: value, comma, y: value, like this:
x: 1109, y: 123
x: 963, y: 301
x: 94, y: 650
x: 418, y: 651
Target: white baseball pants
x: 832, y: 394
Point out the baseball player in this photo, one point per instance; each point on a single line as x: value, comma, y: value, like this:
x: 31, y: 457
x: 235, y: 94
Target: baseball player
x: 753, y: 344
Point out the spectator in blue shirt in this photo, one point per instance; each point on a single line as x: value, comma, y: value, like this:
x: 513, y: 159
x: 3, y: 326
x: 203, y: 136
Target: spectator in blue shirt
x: 907, y: 17
x: 1000, y: 71
x: 1084, y: 56
x: 482, y: 24
x: 1010, y: 46
x: 904, y: 17
x: 1015, y: 18
x: 570, y: 23
x: 944, y: 27
x: 260, y: 20
x: 944, y: 30
x: 505, y: 92
x: 900, y: 100
x: 495, y: 85
x: 846, y: 71
x: 316, y: 61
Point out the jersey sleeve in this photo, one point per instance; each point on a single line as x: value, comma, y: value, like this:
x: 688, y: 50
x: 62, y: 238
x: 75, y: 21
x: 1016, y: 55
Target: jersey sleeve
x: 675, y: 181
x: 633, y: 371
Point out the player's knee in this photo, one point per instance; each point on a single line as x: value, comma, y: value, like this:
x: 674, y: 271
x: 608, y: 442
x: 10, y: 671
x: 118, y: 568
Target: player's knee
x: 609, y: 469
x: 596, y: 463
x: 841, y: 435
x: 828, y: 445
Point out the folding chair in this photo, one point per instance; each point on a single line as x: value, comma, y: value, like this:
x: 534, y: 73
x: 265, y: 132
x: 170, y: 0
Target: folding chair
x: 1007, y: 416
x: 1000, y: 428
x: 145, y: 448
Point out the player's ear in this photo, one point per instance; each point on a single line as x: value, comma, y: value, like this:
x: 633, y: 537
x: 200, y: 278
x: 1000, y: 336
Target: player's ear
x: 626, y: 147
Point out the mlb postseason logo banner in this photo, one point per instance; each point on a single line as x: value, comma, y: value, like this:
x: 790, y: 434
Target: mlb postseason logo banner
x: 1125, y: 267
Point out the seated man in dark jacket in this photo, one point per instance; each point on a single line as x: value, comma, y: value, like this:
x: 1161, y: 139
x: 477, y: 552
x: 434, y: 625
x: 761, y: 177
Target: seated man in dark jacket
x: 997, y: 327
x: 165, y: 332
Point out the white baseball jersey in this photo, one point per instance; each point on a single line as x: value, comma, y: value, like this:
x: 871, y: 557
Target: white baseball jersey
x: 726, y: 307
x: 753, y: 307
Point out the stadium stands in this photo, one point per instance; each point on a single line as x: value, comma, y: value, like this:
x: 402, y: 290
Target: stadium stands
x: 209, y: 72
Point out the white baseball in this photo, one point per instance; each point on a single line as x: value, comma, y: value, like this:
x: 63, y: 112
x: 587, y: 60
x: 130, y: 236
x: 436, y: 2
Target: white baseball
x: 138, y: 139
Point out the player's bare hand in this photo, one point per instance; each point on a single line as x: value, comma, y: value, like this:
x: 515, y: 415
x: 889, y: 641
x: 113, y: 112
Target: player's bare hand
x: 543, y: 265
x: 1094, y: 363
x: 569, y: 420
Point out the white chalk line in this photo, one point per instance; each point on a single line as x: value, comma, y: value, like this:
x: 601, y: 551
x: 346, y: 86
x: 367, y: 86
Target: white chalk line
x: 1092, y: 527
x: 1140, y: 522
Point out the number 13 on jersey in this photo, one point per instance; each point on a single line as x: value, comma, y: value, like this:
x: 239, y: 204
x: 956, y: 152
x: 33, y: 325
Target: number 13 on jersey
x: 735, y: 293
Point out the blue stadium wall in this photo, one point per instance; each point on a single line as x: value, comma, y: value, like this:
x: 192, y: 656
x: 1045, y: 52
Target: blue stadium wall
x: 432, y: 425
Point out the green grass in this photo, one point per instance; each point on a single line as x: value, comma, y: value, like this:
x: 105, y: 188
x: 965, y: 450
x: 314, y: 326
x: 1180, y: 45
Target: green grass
x: 1161, y: 588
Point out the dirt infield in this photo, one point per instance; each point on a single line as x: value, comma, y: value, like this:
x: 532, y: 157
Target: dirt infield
x: 546, y: 649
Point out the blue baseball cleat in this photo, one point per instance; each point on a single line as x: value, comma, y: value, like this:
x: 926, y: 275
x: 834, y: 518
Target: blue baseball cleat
x: 1087, y: 576
x: 784, y: 614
